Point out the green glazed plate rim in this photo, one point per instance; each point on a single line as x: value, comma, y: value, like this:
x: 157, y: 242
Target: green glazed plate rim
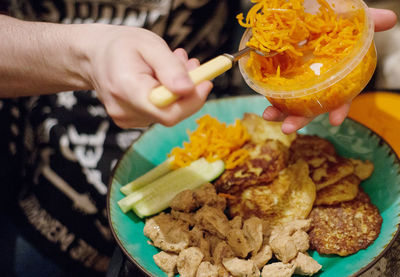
x: 381, y: 140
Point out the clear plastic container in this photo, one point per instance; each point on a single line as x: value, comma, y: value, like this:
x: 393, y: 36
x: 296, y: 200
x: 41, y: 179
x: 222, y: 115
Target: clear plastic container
x: 326, y: 91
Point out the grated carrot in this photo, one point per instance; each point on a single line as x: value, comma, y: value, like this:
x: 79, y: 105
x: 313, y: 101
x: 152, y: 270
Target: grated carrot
x: 227, y: 196
x: 213, y: 140
x: 285, y: 27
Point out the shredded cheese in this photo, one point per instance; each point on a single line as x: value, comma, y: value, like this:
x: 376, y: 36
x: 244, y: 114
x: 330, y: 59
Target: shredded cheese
x: 213, y: 140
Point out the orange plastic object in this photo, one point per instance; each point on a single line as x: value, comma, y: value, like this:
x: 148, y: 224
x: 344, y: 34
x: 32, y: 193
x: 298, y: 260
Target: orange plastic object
x: 379, y: 111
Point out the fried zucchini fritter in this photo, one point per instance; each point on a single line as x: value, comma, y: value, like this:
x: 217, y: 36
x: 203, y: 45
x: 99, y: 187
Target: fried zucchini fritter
x: 313, y: 149
x: 290, y: 196
x: 345, y: 189
x: 345, y: 228
x: 263, y: 165
x: 326, y: 167
x: 260, y: 130
x: 363, y: 169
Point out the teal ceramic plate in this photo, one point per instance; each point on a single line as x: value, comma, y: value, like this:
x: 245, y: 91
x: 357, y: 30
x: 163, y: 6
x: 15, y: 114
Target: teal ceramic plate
x: 351, y: 140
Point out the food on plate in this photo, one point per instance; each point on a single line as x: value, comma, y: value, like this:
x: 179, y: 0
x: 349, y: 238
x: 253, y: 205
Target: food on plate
x: 288, y: 197
x: 209, y: 141
x: 260, y: 130
x: 260, y: 217
x: 207, y: 243
x: 345, y: 228
x: 324, y: 52
x: 344, y: 190
x: 264, y: 162
x: 326, y: 167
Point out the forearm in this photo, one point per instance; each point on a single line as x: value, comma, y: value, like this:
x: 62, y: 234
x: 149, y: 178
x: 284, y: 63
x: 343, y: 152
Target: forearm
x: 40, y: 58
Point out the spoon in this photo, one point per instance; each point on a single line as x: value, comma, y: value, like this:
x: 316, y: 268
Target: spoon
x: 162, y: 97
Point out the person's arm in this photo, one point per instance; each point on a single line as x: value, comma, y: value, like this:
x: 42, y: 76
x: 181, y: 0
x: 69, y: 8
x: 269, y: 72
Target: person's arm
x: 121, y: 63
x: 384, y: 20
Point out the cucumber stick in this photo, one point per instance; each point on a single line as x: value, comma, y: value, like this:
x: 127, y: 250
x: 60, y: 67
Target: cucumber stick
x: 157, y: 195
x: 148, y: 177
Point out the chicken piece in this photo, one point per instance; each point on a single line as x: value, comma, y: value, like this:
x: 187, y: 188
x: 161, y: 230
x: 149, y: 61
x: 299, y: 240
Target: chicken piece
x: 241, y: 268
x: 197, y: 239
x: 207, y: 195
x: 362, y: 169
x: 185, y: 217
x: 236, y: 222
x: 167, y: 233
x: 213, y: 240
x: 222, y: 251
x: 222, y: 272
x: 237, y: 240
x: 253, y: 231
x: 305, y: 265
x: 278, y: 270
x: 184, y: 202
x: 301, y: 240
x: 284, y: 248
x: 263, y: 256
x: 188, y: 261
x: 291, y: 227
x: 212, y: 220
x: 206, y: 269
x: 167, y: 262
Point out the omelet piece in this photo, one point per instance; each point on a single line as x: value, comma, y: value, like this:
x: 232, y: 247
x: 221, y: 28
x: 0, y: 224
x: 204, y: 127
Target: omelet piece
x: 362, y: 169
x: 290, y: 196
x: 345, y: 228
x: 265, y: 161
x: 261, y: 130
x: 345, y: 189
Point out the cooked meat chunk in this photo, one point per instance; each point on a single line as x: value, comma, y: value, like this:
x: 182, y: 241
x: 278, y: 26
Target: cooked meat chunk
x: 291, y: 227
x: 221, y: 251
x: 301, y: 240
x: 263, y: 256
x: 265, y: 161
x: 253, y: 231
x: 236, y: 222
x: 184, y: 201
x: 206, y: 269
x: 278, y: 270
x: 185, y: 217
x: 237, y: 240
x: 284, y: 248
x: 167, y: 262
x: 212, y: 220
x: 197, y: 239
x: 305, y: 265
x: 213, y: 240
x: 167, y: 233
x: 241, y: 268
x: 188, y: 261
x: 222, y: 272
x: 362, y: 169
x: 207, y: 195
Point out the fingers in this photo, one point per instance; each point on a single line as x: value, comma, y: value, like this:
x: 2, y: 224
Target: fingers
x: 273, y: 114
x: 383, y: 19
x: 337, y: 116
x: 169, y: 68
